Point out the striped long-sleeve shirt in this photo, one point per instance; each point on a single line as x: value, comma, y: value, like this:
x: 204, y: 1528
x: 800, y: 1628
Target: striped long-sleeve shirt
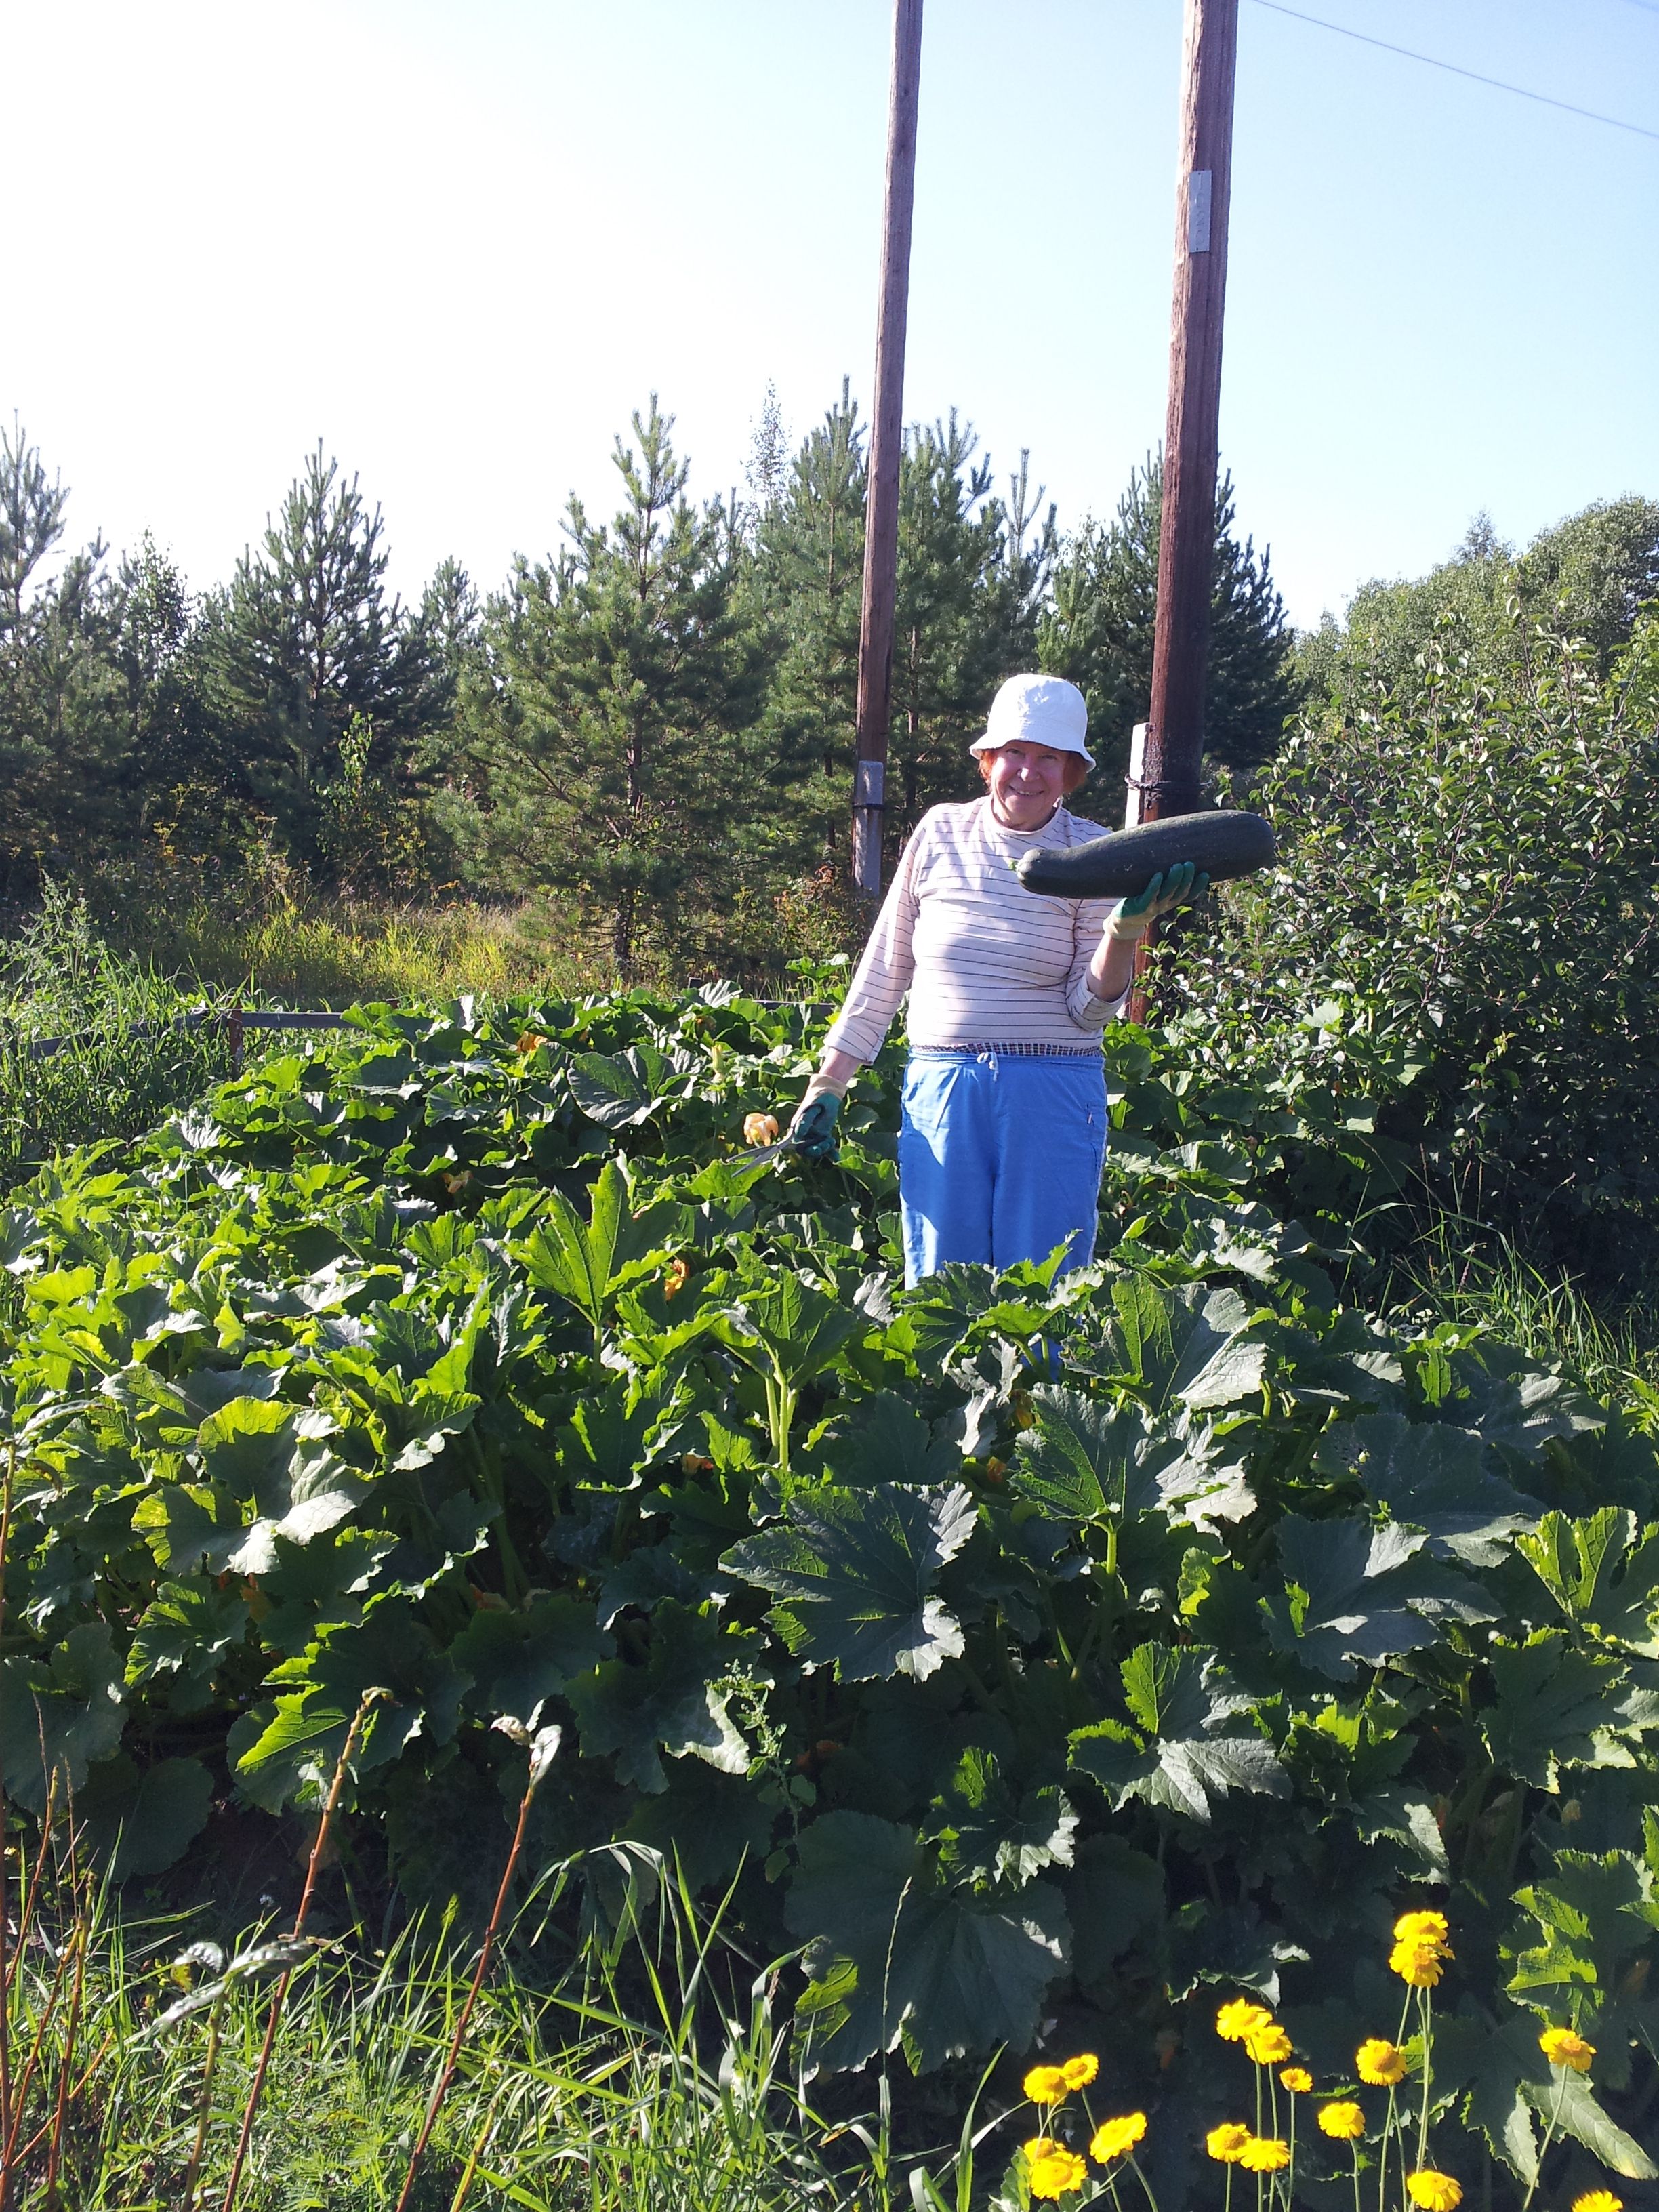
x: 985, y: 960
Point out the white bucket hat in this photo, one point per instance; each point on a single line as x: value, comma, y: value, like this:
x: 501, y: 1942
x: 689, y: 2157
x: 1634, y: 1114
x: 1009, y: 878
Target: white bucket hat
x: 1037, y: 710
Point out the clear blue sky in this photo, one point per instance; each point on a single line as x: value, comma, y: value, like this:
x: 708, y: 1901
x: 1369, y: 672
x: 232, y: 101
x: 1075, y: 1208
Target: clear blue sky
x: 459, y: 239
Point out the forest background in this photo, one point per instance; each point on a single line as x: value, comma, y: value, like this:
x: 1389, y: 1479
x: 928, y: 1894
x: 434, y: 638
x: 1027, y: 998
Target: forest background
x: 629, y: 762
x: 631, y: 756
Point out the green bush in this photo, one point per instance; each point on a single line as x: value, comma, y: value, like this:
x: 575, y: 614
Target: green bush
x: 1015, y: 1648
x: 1450, y: 979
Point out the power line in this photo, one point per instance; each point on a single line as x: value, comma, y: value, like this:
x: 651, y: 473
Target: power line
x: 1522, y: 91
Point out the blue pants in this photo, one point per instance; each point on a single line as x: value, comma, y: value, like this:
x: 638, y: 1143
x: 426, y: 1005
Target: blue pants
x: 1000, y: 1158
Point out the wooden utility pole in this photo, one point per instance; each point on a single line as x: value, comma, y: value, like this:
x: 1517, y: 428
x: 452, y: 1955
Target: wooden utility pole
x: 886, y: 439
x: 1186, y: 547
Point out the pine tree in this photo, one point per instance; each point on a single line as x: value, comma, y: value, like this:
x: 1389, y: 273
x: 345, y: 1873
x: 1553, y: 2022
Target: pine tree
x: 62, y: 741
x: 624, y: 682
x: 1099, y: 631
x: 969, y: 590
x: 806, y: 581
x: 305, y: 641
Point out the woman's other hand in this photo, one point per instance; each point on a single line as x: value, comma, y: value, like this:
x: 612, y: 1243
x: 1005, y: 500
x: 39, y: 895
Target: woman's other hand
x: 812, y: 1131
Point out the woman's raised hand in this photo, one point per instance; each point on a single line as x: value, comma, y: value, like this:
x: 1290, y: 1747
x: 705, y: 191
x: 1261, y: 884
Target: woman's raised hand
x: 1173, y: 887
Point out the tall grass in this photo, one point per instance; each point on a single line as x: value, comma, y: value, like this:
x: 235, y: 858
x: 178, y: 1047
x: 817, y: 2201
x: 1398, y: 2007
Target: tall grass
x: 1455, y: 1272
x: 126, y: 1061
x: 648, y: 2073
x: 330, y: 952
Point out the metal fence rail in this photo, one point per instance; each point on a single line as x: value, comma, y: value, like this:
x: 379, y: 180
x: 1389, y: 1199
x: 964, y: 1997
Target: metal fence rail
x: 235, y: 1021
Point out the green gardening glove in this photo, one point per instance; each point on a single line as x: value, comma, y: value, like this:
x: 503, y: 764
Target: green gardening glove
x: 812, y: 1131
x: 1178, y: 886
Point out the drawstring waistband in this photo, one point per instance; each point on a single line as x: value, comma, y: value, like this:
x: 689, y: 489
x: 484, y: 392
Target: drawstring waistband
x: 1000, y: 1051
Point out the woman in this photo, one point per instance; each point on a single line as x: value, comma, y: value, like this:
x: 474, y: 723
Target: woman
x: 1004, y: 1130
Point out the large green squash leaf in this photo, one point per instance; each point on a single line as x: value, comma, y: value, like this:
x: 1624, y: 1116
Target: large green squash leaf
x: 1579, y: 1563
x: 677, y: 1701
x: 1435, y: 1477
x: 183, y: 1638
x: 518, y: 1660
x: 989, y: 1832
x: 894, y: 1957
x: 856, y: 1570
x: 588, y: 1263
x: 1178, y: 1750
x: 1554, y: 1707
x: 143, y: 1823
x: 60, y: 1717
x: 1084, y: 1460
x: 1355, y: 1594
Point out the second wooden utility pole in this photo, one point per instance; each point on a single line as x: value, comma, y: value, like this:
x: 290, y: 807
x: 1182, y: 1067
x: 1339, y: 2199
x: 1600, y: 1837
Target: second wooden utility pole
x: 1186, y: 547
x: 886, y: 440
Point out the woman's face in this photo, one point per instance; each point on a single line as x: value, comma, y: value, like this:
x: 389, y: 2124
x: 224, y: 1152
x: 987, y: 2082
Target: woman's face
x: 1027, y: 784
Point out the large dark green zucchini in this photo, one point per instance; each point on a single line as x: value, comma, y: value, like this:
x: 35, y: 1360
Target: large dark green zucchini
x: 1219, y: 842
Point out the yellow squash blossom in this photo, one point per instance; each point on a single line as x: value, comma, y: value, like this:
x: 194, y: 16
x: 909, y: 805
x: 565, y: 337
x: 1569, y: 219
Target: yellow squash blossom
x: 1268, y: 2045
x: 1046, y: 2085
x: 1239, y: 2018
x: 1344, y: 2122
x: 1435, y: 2192
x: 1081, y: 2071
x: 1113, y: 2138
x: 760, y: 1128
x: 1380, y: 2061
x: 1051, y: 2170
x: 1296, y: 2080
x: 1265, y: 2154
x: 678, y: 1274
x: 1598, y: 2200
x: 1563, y: 2048
x: 1227, y: 2141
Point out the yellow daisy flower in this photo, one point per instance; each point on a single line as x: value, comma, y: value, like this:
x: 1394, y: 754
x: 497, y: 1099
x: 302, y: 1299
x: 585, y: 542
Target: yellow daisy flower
x: 1563, y: 2048
x: 1416, y: 1963
x: 1081, y: 2071
x: 1598, y: 2200
x: 1046, y: 2085
x: 1268, y: 2045
x: 1296, y: 2080
x: 1113, y: 2138
x: 1227, y: 2141
x: 1051, y: 2170
x: 1343, y: 2121
x: 1265, y: 2154
x: 1435, y: 2192
x: 1421, y: 1928
x: 1380, y: 2061
x: 1238, y: 2017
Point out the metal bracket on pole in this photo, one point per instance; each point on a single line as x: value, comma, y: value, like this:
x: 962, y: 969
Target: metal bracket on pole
x: 869, y: 798
x: 1135, y: 778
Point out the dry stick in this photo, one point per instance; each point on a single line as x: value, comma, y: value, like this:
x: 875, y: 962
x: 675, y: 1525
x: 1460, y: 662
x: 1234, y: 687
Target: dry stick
x: 204, y: 2102
x: 369, y: 1698
x: 538, y: 1767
